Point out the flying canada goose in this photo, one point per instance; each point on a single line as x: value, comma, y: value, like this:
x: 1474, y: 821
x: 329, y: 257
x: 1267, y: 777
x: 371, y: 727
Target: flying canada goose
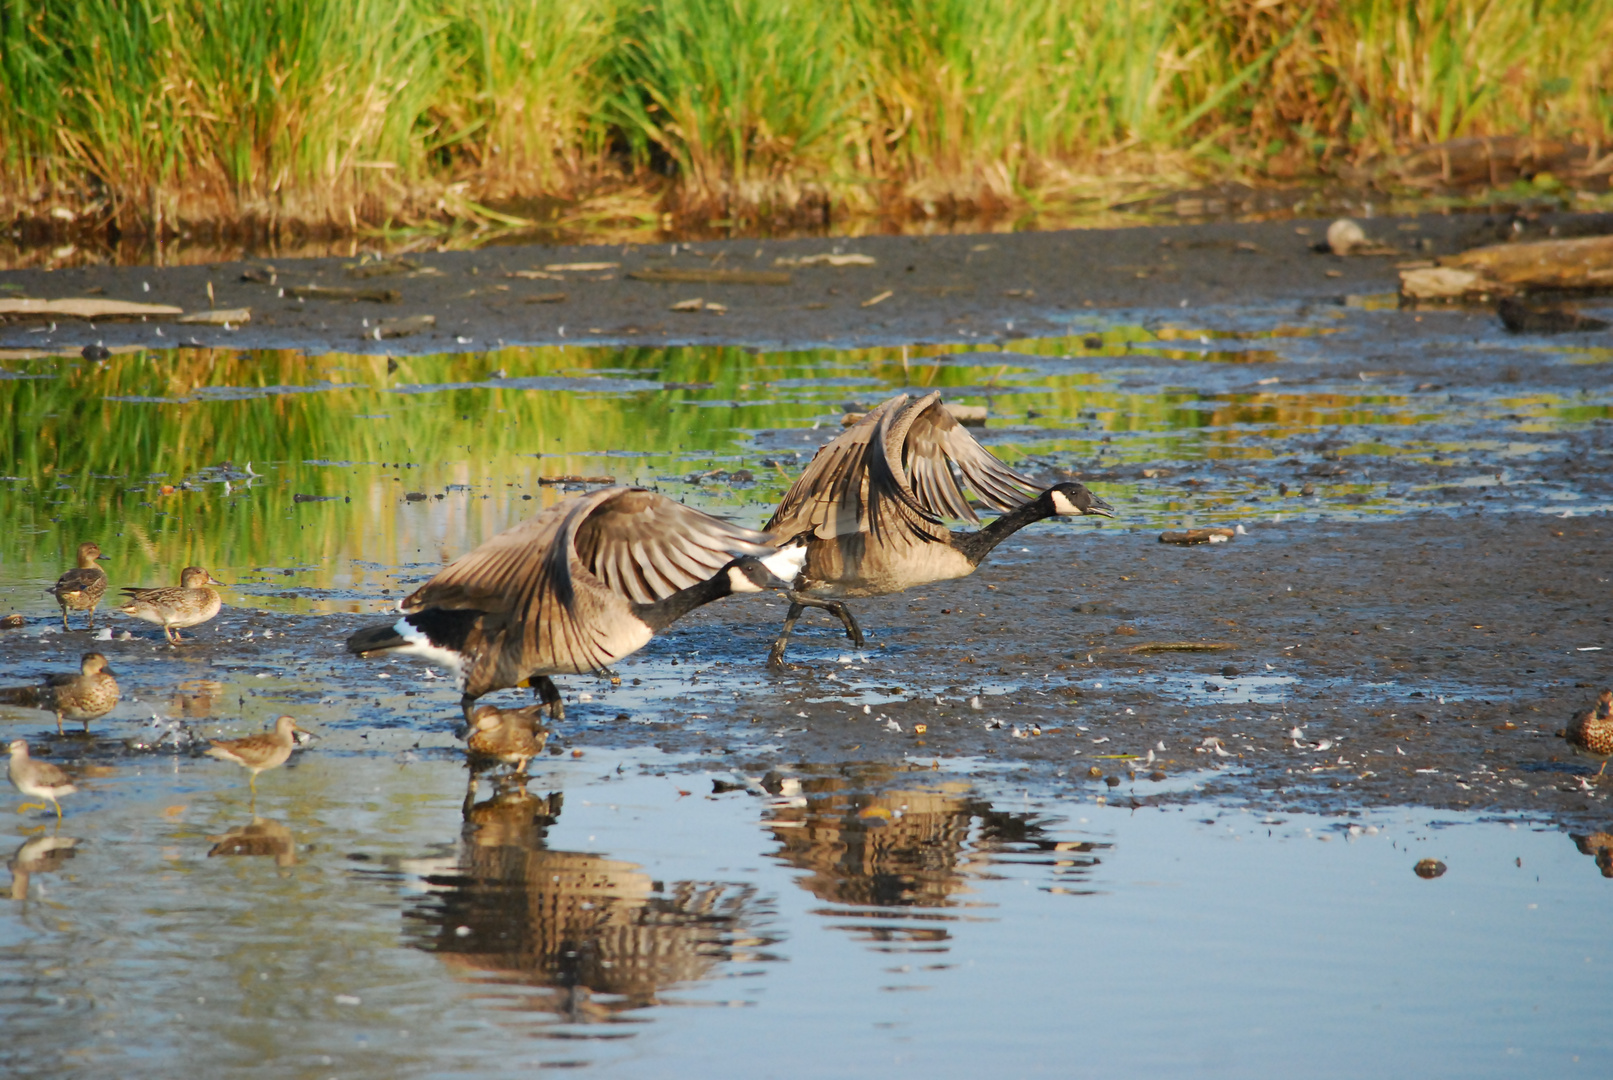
x: 869, y: 509
x: 82, y: 587
x: 86, y: 696
x: 173, y: 608
x: 576, y: 588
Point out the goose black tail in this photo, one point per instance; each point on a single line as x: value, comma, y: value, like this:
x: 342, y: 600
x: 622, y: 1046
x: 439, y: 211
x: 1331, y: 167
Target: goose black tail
x: 446, y: 629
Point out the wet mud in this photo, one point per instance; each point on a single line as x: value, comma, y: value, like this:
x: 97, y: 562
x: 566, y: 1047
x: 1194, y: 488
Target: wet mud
x: 906, y: 289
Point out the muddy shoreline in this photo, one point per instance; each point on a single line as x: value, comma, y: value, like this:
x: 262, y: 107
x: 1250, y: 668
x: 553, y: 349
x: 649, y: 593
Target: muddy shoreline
x: 966, y: 288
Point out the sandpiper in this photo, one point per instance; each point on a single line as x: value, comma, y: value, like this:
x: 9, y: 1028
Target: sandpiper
x: 191, y: 604
x: 259, y: 753
x: 40, y: 779
x: 82, y: 587
x: 1591, y: 731
x: 512, y: 736
x: 86, y: 696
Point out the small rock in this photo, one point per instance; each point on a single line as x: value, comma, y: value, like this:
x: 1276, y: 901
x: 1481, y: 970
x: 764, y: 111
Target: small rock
x: 1230, y: 672
x: 1428, y: 868
x: 13, y: 622
x: 1094, y: 772
x: 95, y: 352
x: 1112, y: 781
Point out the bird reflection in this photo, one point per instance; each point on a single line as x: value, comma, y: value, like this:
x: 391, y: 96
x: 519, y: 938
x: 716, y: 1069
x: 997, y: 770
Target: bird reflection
x: 1599, y: 846
x: 261, y: 837
x: 597, y: 932
x: 910, y: 848
x: 43, y: 854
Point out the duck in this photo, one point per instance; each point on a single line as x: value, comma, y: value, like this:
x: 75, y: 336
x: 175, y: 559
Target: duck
x: 573, y: 589
x: 261, y: 752
x: 869, y: 510
x: 511, y: 736
x: 87, y: 696
x: 82, y: 587
x: 40, y: 779
x: 192, y: 603
x: 1591, y: 732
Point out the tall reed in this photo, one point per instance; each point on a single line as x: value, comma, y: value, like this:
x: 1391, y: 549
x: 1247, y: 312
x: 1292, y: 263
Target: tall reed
x: 340, y: 112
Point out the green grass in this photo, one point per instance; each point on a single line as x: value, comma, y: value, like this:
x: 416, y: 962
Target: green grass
x: 336, y: 113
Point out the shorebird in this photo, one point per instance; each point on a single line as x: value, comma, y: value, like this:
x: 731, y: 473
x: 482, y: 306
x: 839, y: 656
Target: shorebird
x: 41, y: 854
x: 192, y: 603
x: 40, y: 779
x: 261, y: 752
x: 869, y: 510
x: 82, y: 587
x: 1591, y: 731
x: 87, y: 696
x: 511, y: 736
x: 576, y: 588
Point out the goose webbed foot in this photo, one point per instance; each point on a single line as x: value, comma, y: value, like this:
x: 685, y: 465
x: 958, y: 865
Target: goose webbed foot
x: 775, y: 656
x: 544, y: 689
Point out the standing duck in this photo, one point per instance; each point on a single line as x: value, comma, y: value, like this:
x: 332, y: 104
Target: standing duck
x: 576, y: 588
x: 868, y: 511
x: 82, y: 587
x: 1591, y: 732
x: 87, y: 696
x: 192, y: 603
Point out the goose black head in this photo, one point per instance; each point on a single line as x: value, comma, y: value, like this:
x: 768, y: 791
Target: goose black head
x: 750, y: 574
x: 1073, y: 498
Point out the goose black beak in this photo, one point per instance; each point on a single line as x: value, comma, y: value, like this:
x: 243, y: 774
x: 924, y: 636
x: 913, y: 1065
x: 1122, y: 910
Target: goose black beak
x: 1101, y: 508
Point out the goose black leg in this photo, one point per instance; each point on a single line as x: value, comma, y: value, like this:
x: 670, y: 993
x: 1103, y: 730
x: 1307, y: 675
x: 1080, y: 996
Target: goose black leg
x: 798, y: 604
x: 543, y: 688
x: 466, y: 705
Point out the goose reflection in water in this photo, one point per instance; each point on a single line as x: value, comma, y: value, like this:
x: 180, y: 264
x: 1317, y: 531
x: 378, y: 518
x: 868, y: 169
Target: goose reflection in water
x: 597, y: 932
x: 261, y: 837
x: 1599, y: 846
x: 43, y: 854
x: 909, y: 849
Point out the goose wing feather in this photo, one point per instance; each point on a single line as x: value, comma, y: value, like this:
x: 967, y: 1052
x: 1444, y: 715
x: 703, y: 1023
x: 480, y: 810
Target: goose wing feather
x: 938, y: 450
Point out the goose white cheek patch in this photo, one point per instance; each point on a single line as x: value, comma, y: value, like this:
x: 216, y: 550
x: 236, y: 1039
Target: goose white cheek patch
x: 1063, y: 505
x: 786, y: 564
x: 739, y: 583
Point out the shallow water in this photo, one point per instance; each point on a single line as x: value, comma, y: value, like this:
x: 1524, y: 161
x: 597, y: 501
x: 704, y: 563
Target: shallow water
x: 627, y: 921
x: 922, y: 908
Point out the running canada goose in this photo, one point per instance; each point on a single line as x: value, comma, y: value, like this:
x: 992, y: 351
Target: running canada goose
x: 576, y: 588
x: 87, y: 696
x: 191, y: 603
x: 82, y: 587
x: 868, y: 511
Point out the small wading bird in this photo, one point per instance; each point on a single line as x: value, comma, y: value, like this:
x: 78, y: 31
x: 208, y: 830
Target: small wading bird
x: 87, y: 696
x: 40, y: 779
x: 1591, y: 732
x: 869, y: 510
x: 259, y: 753
x: 574, y: 589
x: 82, y: 587
x: 191, y: 603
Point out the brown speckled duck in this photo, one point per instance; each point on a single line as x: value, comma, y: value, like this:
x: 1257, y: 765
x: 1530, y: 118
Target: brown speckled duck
x: 1591, y: 731
x: 192, y: 603
x: 82, y: 587
x: 87, y: 696
x: 511, y: 736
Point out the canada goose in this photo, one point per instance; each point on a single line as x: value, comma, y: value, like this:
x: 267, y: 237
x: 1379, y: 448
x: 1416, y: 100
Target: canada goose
x: 259, y: 753
x: 86, y: 696
x: 1591, y: 731
x: 192, y: 603
x: 868, y: 510
x: 82, y: 587
x: 576, y: 588
x: 40, y: 779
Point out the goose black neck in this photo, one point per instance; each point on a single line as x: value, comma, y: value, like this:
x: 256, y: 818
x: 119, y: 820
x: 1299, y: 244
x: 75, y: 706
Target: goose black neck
x: 977, y: 545
x: 663, y: 613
